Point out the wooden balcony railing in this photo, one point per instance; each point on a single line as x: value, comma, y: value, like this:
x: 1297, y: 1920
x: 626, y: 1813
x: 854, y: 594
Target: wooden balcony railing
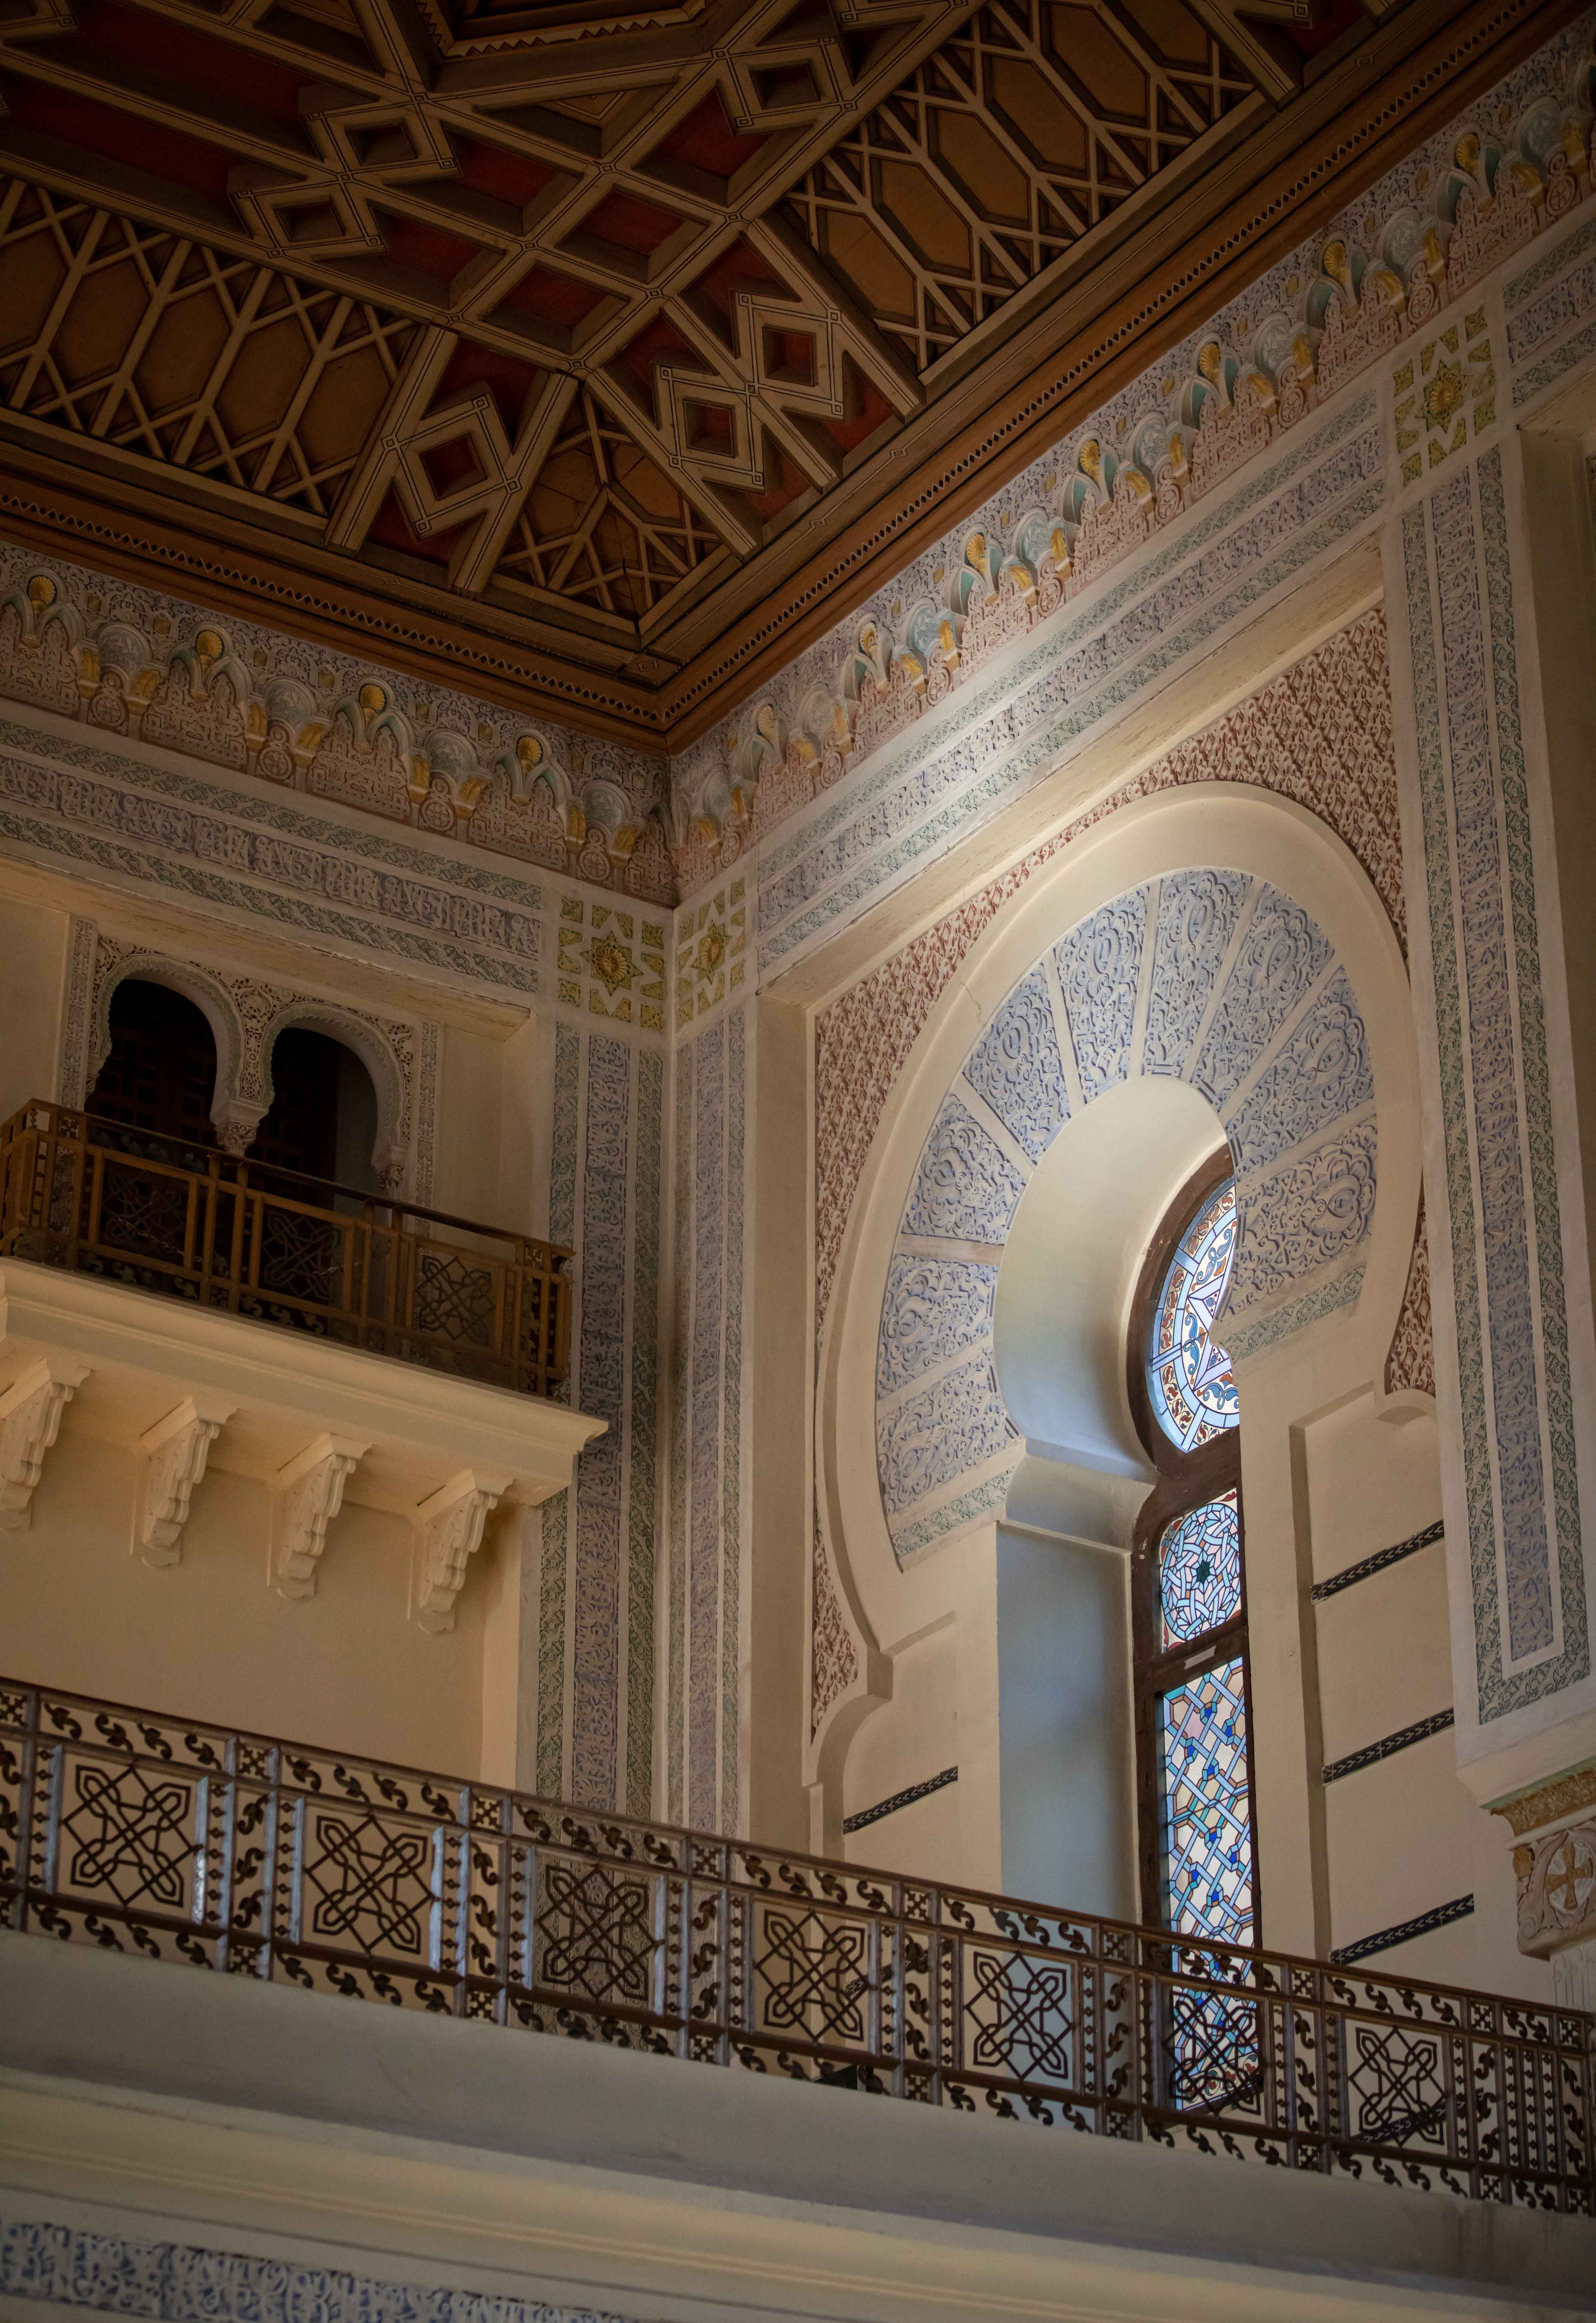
x: 191, y: 1843
x: 249, y: 1239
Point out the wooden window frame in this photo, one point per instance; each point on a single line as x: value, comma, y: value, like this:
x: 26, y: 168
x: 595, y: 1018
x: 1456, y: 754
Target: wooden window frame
x: 1185, y: 1481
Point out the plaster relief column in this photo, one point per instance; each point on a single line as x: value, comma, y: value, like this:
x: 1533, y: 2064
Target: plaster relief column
x: 1503, y: 1158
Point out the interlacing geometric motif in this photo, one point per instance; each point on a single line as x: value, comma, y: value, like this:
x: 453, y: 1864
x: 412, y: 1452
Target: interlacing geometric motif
x: 1188, y: 1376
x: 373, y: 1883
x: 129, y: 1834
x: 813, y: 1974
x: 596, y: 1934
x: 1206, y: 1806
x: 196, y: 1846
x: 1200, y: 1570
x: 1398, y: 2082
x: 1020, y: 2015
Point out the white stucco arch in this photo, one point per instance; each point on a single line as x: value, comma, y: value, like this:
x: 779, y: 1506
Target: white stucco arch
x: 390, y: 1147
x: 1312, y: 1363
x: 208, y: 994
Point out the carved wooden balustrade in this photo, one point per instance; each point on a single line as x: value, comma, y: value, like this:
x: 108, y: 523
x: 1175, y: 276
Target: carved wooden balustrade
x: 250, y: 1239
x: 193, y: 1844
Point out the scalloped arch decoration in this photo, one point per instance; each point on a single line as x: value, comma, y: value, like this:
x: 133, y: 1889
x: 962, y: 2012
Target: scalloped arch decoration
x: 1211, y: 975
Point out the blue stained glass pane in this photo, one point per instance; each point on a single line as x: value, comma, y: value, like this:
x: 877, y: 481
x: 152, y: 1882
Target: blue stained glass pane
x: 1188, y: 1373
x: 1199, y: 1571
x: 1206, y: 1806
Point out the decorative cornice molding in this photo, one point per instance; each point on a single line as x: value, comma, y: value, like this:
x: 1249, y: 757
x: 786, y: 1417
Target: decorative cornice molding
x: 1565, y: 1795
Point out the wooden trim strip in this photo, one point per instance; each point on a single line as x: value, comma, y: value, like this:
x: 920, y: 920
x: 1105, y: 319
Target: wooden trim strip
x: 1372, y: 1752
x: 1440, y: 1915
x: 868, y: 1816
x: 1377, y: 1563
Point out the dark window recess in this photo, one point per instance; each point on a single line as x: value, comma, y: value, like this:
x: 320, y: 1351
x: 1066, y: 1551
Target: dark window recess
x: 160, y: 1076
x: 323, y: 1120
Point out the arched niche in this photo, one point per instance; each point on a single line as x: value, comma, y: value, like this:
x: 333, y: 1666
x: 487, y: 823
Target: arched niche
x: 1309, y: 1334
x: 208, y: 994
x: 391, y: 1129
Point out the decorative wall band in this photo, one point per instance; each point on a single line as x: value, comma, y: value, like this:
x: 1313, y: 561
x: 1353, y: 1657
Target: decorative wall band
x: 1374, y: 1752
x: 868, y: 1816
x: 180, y: 2282
x: 1441, y: 1917
x: 1377, y: 1563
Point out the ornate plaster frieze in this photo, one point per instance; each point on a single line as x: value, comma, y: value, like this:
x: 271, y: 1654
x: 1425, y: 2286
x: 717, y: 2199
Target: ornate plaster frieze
x: 1403, y: 264
x: 1246, y: 1001
x: 127, y: 662
x: 1551, y: 1802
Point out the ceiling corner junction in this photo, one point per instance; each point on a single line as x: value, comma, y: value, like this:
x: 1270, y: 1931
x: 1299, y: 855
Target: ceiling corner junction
x: 617, y: 364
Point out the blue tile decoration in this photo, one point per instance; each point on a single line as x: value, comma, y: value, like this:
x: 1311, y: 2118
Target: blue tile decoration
x: 1501, y: 1213
x: 1246, y: 1001
x: 1017, y: 1068
x: 966, y: 1188
x: 1099, y: 969
x: 935, y: 1308
x: 1321, y: 1075
x: 1197, y: 912
x: 954, y: 1425
x: 1282, y: 957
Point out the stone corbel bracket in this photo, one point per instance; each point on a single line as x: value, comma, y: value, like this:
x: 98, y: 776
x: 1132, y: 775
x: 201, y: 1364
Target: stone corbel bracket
x: 448, y: 1531
x: 31, y: 1413
x: 307, y: 1494
x: 1554, y: 1829
x: 172, y: 1457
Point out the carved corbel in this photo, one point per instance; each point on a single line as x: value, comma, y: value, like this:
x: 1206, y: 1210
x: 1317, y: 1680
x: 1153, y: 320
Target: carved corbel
x: 30, y: 1421
x: 306, y: 1495
x: 172, y: 1457
x: 448, y: 1531
x: 235, y: 1120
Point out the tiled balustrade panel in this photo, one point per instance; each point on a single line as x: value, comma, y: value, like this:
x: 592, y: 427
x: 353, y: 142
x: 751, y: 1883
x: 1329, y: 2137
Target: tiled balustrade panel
x: 193, y: 1844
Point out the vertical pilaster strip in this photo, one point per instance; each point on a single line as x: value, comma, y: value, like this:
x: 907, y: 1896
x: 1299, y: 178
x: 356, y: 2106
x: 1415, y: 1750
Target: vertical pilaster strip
x: 708, y: 1290
x: 551, y: 1599
x: 601, y: 1468
x: 731, y: 1526
x: 643, y: 1507
x: 83, y: 940
x: 1503, y: 1229
x: 680, y: 1435
x: 1536, y: 1076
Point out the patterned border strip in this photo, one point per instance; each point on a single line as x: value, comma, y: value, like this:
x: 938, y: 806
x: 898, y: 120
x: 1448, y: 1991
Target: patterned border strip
x: 901, y: 1799
x: 1441, y: 1915
x: 180, y: 2282
x: 1372, y: 1752
x: 1377, y: 1562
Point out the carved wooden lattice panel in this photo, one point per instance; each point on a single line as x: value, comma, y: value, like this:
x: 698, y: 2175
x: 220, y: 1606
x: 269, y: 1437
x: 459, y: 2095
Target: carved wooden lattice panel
x: 1021, y: 133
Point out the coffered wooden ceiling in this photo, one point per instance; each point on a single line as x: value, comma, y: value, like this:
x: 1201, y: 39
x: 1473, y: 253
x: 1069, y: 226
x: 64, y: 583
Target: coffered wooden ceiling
x: 587, y: 353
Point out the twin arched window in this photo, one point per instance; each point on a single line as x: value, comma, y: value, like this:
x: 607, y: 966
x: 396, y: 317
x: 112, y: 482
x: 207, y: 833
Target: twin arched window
x: 1189, y: 1622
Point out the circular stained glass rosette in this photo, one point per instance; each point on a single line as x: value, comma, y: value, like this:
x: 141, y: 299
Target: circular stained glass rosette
x: 1188, y: 1374
x: 1199, y: 1571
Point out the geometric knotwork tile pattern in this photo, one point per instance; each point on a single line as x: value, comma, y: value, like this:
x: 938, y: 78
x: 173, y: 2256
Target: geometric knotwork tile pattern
x: 129, y: 1833
x: 595, y: 1934
x: 372, y: 1883
x: 813, y: 1974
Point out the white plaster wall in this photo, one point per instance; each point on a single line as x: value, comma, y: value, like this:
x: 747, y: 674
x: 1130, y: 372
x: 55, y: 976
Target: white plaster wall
x: 32, y: 974
x: 1064, y: 1724
x: 1402, y: 1834
x: 209, y: 1639
x: 912, y: 1736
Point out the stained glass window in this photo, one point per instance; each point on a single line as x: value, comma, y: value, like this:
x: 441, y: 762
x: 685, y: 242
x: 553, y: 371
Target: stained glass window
x: 1206, y: 1805
x: 1188, y: 1373
x: 1199, y: 1571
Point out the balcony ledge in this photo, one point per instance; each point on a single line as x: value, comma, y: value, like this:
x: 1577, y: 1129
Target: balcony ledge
x: 127, y: 1357
x: 410, y: 2148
